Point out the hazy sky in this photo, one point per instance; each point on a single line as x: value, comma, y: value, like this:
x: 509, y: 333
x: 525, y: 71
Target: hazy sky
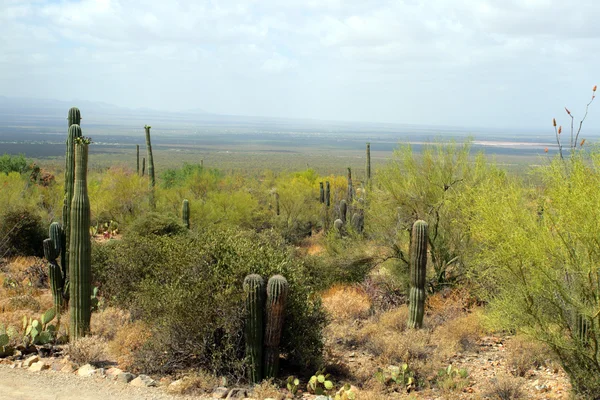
x: 451, y: 62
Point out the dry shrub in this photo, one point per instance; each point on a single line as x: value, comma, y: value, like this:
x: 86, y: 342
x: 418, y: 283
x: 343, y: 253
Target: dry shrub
x: 344, y: 302
x: 395, y: 319
x: 107, y: 322
x: 197, y: 383
x: 447, y: 305
x: 505, y: 388
x: 88, y: 350
x: 524, y: 354
x: 267, y: 390
x: 127, y: 341
x: 459, y: 334
x: 25, y: 302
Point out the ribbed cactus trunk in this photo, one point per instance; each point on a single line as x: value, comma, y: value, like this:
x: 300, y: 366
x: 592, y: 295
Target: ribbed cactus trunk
x: 185, y: 213
x: 321, y: 193
x: 254, y: 288
x: 151, y: 181
x: 74, y: 116
x: 343, y: 210
x: 350, y: 188
x: 327, y: 194
x: 418, y: 267
x: 54, y: 274
x: 368, y: 169
x: 143, y: 166
x: 74, y: 133
x: 277, y: 291
x: 80, y: 248
x: 137, y: 159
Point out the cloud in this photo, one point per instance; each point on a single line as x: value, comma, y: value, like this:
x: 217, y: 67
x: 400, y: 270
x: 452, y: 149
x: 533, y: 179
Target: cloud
x: 403, y: 61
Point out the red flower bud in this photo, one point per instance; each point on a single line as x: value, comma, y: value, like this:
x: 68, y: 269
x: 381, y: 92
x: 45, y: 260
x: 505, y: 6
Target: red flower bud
x: 594, y: 89
x: 554, y: 121
x: 567, y: 110
x: 582, y: 142
x: 559, y: 129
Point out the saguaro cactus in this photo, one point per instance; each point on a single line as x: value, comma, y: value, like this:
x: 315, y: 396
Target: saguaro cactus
x: 137, y: 159
x: 55, y: 275
x: 418, y: 265
x: 343, y: 210
x: 74, y: 133
x: 152, y: 181
x: 350, y: 188
x: 143, y: 166
x: 254, y: 288
x: 80, y: 247
x: 327, y: 194
x: 277, y: 291
x: 368, y: 163
x: 321, y: 193
x: 74, y: 116
x: 185, y: 213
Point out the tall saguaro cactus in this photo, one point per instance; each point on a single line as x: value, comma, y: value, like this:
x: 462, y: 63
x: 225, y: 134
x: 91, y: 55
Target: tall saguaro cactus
x: 152, y: 181
x: 368, y: 171
x: 185, y: 213
x: 327, y: 194
x: 74, y: 133
x: 418, y: 265
x: 350, y: 188
x: 321, y: 193
x: 137, y: 159
x: 80, y: 247
x: 254, y: 288
x: 277, y: 291
x: 143, y: 166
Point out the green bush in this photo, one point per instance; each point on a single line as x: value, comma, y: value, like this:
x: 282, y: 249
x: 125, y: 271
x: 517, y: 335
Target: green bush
x: 189, y: 289
x: 154, y: 223
x: 21, y: 233
x: 10, y: 163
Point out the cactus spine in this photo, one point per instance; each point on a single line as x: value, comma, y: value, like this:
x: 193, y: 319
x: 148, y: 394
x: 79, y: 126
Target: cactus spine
x: 350, y: 188
x: 80, y: 247
x: 343, y: 210
x: 321, y: 193
x: 277, y: 290
x: 152, y: 181
x: 254, y: 288
x: 327, y: 194
x: 418, y: 264
x: 137, y: 159
x: 74, y: 133
x: 185, y: 213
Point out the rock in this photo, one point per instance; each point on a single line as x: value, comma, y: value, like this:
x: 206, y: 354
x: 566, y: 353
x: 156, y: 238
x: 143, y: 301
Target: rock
x: 38, y: 366
x: 86, y: 370
x: 68, y: 367
x: 143, y: 381
x: 33, y: 359
x: 220, y: 392
x: 236, y: 393
x: 176, y: 386
x: 321, y: 397
x: 113, y: 372
x: 125, y: 377
x: 56, y: 366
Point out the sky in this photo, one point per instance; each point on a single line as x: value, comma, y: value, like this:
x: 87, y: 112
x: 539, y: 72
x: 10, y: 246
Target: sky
x: 485, y: 63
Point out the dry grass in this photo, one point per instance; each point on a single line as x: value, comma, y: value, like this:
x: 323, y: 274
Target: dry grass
x: 197, y: 383
x: 345, y: 302
x: 107, y: 322
x: 267, y: 390
x: 505, y: 388
x: 459, y: 334
x: 127, y: 341
x: 524, y: 354
x: 88, y: 350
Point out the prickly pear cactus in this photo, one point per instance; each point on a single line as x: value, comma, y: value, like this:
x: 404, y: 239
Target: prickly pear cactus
x: 418, y: 265
x: 185, y: 213
x: 80, y: 247
x: 254, y: 288
x: 277, y: 291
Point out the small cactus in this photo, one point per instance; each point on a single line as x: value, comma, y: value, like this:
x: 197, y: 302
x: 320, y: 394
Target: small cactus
x: 137, y: 159
x: 185, y: 213
x: 277, y: 290
x: 343, y: 210
x: 358, y: 221
x: 321, y: 193
x: 418, y: 265
x: 254, y: 288
x: 338, y: 224
x: 54, y: 274
x: 327, y: 194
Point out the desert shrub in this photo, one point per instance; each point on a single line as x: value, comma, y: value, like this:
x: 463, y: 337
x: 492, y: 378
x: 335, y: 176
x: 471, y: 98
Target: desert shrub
x: 346, y: 302
x: 505, y: 388
x: 525, y: 354
x: 21, y: 233
x: 107, y: 322
x: 128, y: 339
x: 198, y: 382
x: 156, y: 224
x: 189, y: 290
x: 10, y: 164
x: 87, y: 350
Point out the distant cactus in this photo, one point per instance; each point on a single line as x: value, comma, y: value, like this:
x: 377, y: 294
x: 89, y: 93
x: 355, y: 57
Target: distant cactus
x: 277, y: 291
x: 321, y: 193
x: 143, y: 166
x: 185, y: 213
x: 358, y: 221
x: 368, y: 163
x: 80, y: 247
x: 327, y: 194
x: 343, y: 210
x: 254, y: 288
x: 74, y: 133
x: 350, y: 187
x: 152, y: 180
x: 74, y: 116
x: 418, y: 265
x: 137, y: 159
x: 338, y: 225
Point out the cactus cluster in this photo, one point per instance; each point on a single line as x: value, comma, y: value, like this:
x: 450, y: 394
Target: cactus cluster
x: 265, y: 312
x: 418, y: 264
